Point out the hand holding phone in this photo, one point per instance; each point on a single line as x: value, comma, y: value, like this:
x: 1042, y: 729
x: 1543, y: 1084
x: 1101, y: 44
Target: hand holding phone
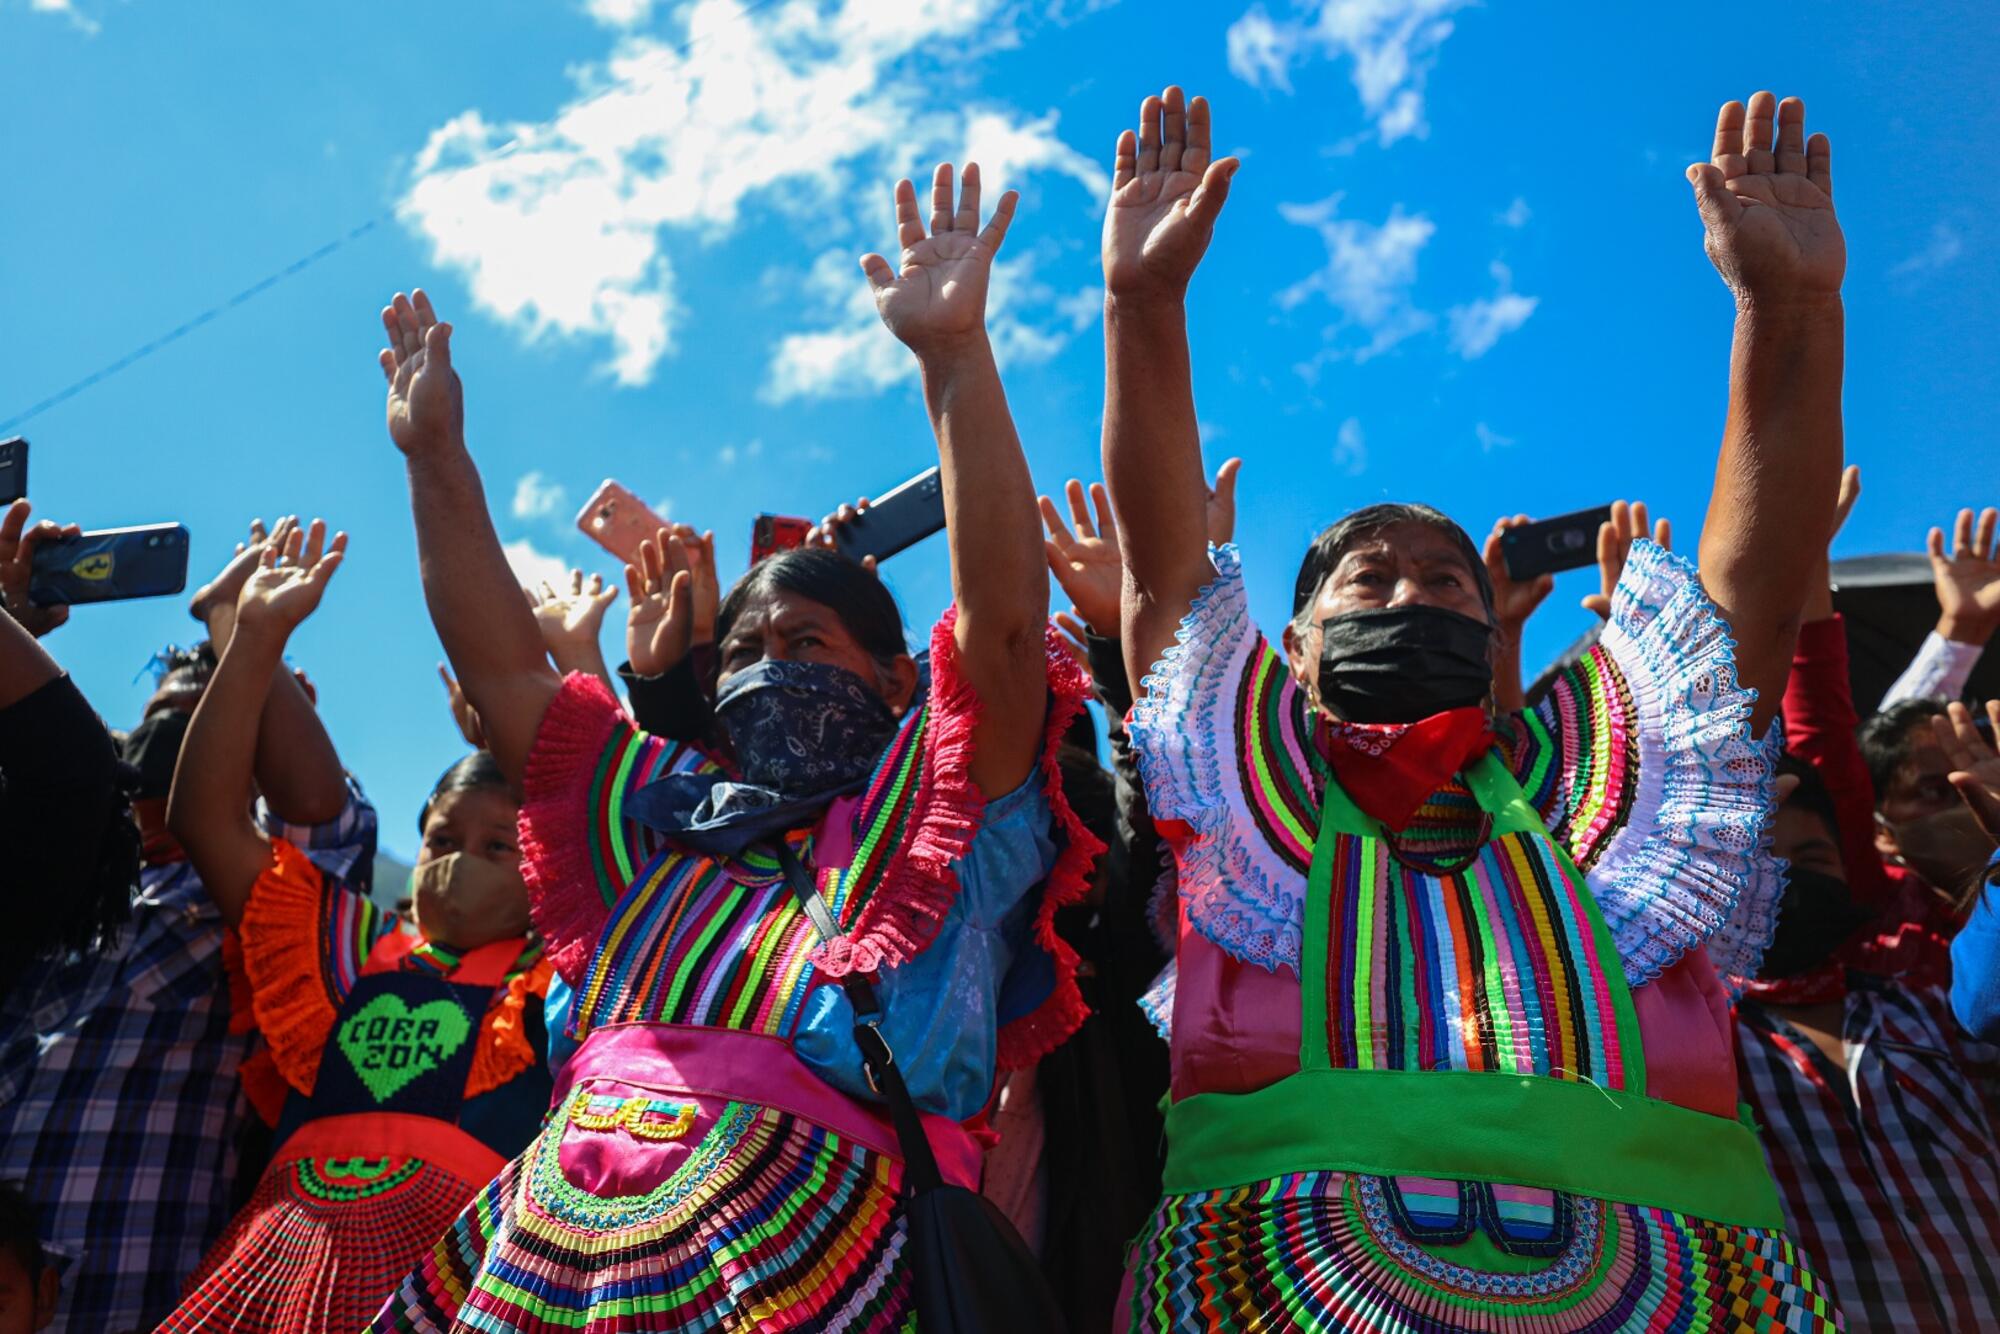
x: 1550, y: 546
x: 111, y: 565
x: 895, y: 521
x: 18, y: 543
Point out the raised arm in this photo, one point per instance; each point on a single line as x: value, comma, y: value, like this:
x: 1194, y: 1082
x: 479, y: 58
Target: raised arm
x: 934, y: 300
x: 209, y: 808
x: 298, y: 771
x: 1166, y: 193
x: 488, y: 632
x: 1767, y: 205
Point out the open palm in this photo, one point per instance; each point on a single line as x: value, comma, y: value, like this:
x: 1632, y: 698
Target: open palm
x: 1166, y: 192
x: 937, y: 295
x: 290, y: 579
x: 659, y: 624
x: 426, y: 404
x: 1968, y: 580
x: 1767, y: 204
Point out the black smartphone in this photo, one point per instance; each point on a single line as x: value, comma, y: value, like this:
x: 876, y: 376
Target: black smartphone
x: 111, y: 565
x: 1550, y: 546
x: 13, y: 470
x: 902, y: 518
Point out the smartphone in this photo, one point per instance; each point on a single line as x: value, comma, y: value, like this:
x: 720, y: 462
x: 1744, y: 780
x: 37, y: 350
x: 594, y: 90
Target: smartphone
x: 13, y: 470
x: 892, y: 522
x: 618, y: 521
x: 1549, y: 546
x: 111, y: 565
x: 773, y: 533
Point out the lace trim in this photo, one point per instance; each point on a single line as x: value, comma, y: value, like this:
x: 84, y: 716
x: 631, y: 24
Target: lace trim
x: 290, y: 995
x: 1690, y: 866
x: 1240, y: 892
x: 504, y: 1049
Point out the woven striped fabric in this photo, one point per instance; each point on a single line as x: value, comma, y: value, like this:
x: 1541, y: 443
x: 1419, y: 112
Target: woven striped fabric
x: 319, y: 1246
x: 771, y: 1223
x: 1330, y: 1251
x: 1494, y: 968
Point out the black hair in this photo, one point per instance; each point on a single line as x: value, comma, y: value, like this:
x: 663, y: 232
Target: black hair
x: 862, y: 601
x: 177, y: 667
x: 1811, y: 795
x: 475, y: 772
x: 1887, y: 739
x: 1341, y: 536
x: 18, y: 1235
x: 70, y: 894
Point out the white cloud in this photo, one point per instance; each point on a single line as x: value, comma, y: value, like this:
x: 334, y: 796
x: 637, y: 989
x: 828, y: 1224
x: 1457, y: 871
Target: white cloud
x: 1350, y: 448
x: 1391, y: 45
x: 536, y: 497
x: 1516, y: 214
x: 573, y: 226
x: 80, y: 20
x: 1367, y: 276
x: 619, y: 13
x: 1490, y: 439
x: 532, y: 567
x: 1477, y: 325
x: 1944, y: 246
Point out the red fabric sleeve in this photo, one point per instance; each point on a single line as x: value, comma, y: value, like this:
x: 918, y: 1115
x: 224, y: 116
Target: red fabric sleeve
x: 1819, y: 729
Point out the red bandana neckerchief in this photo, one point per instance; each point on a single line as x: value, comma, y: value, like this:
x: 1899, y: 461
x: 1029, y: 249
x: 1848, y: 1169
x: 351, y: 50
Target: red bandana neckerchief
x: 1816, y: 986
x: 1391, y: 769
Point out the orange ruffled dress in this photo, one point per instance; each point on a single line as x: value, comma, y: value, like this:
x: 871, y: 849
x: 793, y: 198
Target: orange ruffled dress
x: 401, y: 1076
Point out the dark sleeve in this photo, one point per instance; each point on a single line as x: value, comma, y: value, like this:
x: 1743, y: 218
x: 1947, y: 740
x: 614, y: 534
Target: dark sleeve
x: 61, y: 779
x: 673, y: 705
x: 1820, y: 723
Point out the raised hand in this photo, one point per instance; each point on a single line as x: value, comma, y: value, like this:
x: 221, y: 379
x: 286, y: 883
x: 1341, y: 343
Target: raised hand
x: 823, y: 533
x: 426, y: 401
x: 659, y: 625
x: 1628, y: 523
x: 934, y: 299
x: 570, y: 620
x: 1513, y: 603
x: 1166, y: 193
x: 462, y: 711
x: 699, y: 550
x: 17, y: 567
x: 220, y: 593
x: 1968, y: 580
x: 1085, y: 561
x: 1222, y: 503
x: 1767, y: 204
x: 1975, y: 763
x: 288, y: 582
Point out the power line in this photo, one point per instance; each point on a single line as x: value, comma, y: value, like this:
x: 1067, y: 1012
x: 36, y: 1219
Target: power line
x: 306, y: 261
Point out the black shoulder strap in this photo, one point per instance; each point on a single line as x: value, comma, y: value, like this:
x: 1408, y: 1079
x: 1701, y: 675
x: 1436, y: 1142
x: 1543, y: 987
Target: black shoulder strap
x: 920, y: 1169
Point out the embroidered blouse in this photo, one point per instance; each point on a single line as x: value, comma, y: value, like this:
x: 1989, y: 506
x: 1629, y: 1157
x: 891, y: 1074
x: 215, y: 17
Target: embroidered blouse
x: 950, y: 900
x: 306, y: 936
x: 1639, y: 761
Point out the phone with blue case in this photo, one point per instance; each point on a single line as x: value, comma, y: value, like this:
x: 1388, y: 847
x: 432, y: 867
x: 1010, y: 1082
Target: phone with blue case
x: 110, y: 566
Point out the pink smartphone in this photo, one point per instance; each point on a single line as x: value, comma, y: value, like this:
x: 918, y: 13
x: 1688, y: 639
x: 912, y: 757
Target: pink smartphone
x: 618, y: 521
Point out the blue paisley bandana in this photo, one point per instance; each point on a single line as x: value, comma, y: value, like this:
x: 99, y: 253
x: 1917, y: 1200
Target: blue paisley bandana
x: 802, y: 733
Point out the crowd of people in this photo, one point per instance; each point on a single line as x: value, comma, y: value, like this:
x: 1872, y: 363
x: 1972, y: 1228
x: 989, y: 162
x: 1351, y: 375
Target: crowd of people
x: 786, y: 978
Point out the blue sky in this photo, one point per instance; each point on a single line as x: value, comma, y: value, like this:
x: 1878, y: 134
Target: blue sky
x: 1460, y: 264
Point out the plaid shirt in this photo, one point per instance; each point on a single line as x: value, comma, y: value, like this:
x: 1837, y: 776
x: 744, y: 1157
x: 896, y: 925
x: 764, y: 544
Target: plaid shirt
x: 119, y: 1102
x: 1889, y: 1169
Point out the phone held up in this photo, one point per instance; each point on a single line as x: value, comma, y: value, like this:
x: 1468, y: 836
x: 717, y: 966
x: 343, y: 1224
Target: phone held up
x: 111, y: 565
x: 13, y: 470
x: 618, y: 521
x: 1550, y: 546
x: 772, y: 533
x: 895, y: 521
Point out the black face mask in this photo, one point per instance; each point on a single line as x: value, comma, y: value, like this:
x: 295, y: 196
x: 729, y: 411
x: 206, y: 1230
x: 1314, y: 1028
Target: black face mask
x: 1403, y: 664
x: 1815, y: 915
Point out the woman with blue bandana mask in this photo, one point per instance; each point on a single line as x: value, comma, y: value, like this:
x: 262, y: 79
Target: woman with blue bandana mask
x: 715, y: 1156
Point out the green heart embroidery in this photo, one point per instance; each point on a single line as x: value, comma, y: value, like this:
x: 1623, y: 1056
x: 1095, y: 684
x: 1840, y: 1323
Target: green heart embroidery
x: 389, y: 1044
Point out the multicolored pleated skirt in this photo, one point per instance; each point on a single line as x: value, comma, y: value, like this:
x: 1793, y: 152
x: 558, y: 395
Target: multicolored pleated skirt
x: 650, y: 1203
x: 1339, y: 1251
x: 319, y: 1246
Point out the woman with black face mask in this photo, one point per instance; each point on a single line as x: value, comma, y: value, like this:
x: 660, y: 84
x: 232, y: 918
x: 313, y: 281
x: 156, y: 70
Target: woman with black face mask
x: 1450, y: 1048
x: 715, y: 1156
